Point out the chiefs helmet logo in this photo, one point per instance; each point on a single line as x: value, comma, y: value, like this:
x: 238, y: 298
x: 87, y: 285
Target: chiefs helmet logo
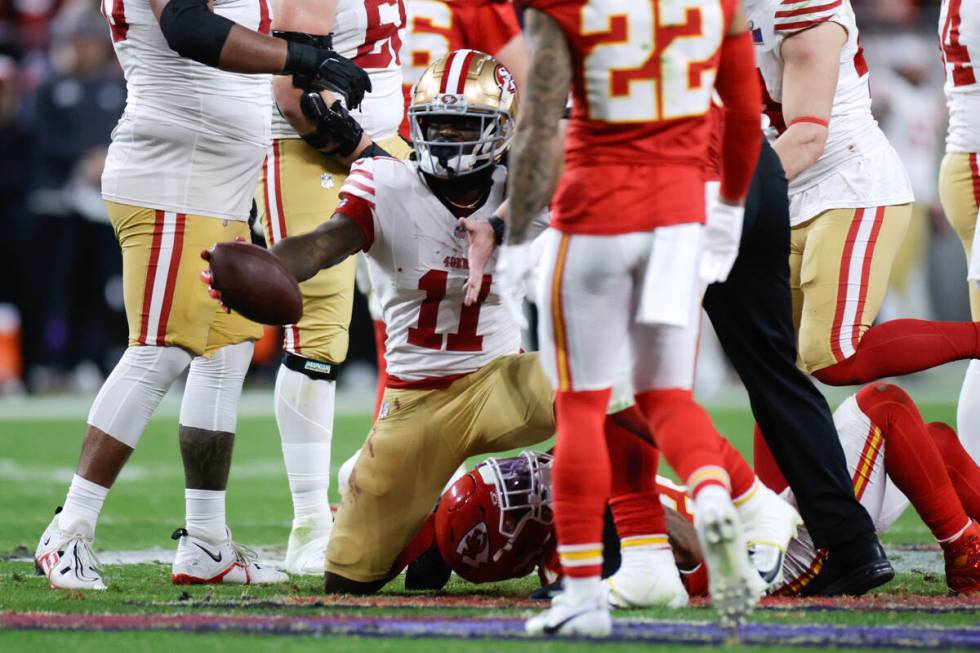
x: 504, y: 79
x: 474, y: 547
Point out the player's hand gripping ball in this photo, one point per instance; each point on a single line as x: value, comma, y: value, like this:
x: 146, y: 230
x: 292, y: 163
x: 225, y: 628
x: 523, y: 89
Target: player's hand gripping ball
x: 253, y: 282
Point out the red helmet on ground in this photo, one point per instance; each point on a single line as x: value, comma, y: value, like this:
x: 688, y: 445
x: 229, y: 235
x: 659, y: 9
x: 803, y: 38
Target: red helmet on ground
x: 495, y: 522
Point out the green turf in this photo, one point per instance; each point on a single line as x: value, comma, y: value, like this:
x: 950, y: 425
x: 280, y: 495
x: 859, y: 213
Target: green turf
x: 36, y: 461
x: 146, y: 505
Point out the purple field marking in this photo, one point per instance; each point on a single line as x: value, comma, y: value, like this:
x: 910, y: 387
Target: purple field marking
x: 635, y: 630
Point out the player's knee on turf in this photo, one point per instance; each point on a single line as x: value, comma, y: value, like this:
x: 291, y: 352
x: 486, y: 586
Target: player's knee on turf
x: 334, y: 583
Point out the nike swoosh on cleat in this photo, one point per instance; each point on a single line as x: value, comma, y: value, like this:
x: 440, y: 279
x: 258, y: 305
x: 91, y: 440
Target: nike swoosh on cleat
x: 551, y: 630
x: 216, y: 558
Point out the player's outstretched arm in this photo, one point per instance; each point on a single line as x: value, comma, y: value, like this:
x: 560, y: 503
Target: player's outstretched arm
x: 811, y: 66
x: 536, y: 154
x: 326, y: 246
x: 194, y: 31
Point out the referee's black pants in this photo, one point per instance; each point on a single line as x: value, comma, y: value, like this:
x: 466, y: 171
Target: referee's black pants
x: 753, y: 317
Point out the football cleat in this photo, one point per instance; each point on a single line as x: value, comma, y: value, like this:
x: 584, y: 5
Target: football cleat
x: 963, y: 561
x: 770, y: 523
x: 586, y: 615
x: 656, y: 584
x: 200, y: 562
x: 307, y: 548
x: 67, y: 559
x: 733, y: 583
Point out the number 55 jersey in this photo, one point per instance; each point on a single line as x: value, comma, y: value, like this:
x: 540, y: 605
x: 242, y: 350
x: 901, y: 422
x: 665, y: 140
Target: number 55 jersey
x: 417, y: 257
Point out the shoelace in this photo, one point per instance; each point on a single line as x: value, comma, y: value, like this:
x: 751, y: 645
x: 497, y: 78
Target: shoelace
x: 243, y: 554
x: 93, y: 560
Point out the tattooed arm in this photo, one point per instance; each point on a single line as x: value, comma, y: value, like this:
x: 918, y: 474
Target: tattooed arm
x: 326, y: 246
x: 536, y: 154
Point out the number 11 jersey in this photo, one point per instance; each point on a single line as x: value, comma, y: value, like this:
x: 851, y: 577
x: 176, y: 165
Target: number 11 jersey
x: 417, y: 260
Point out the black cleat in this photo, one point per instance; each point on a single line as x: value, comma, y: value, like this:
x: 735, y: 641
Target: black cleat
x: 852, y: 570
x: 427, y: 572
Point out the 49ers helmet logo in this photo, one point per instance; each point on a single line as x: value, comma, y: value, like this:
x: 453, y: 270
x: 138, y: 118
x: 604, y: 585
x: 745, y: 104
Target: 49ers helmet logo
x: 504, y: 79
x: 474, y: 547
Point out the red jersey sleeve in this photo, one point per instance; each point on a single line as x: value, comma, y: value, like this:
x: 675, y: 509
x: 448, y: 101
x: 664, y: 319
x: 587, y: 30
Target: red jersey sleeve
x: 487, y: 25
x: 357, y: 200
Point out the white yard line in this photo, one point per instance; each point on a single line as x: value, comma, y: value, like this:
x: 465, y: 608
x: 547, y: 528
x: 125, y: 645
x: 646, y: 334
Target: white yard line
x: 904, y: 560
x: 254, y: 403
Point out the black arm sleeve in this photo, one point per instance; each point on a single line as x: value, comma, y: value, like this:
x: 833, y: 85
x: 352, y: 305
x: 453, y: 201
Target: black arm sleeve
x: 194, y: 31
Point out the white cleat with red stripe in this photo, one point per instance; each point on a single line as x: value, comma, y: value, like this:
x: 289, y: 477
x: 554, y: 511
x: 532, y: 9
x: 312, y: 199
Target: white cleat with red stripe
x: 200, y: 562
x: 67, y: 559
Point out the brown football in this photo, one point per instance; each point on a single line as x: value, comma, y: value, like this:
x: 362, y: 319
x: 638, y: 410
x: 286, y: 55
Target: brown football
x: 255, y: 283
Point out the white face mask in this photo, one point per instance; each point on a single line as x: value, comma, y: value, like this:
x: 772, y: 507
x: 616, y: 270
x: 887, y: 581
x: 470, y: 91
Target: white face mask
x: 452, y: 159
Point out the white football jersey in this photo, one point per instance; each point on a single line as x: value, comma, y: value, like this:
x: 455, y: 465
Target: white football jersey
x: 192, y: 137
x: 417, y: 258
x: 858, y: 167
x: 368, y: 32
x: 864, y: 450
x: 959, y: 41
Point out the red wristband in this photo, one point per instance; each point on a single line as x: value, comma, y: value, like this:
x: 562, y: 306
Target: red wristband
x: 811, y: 119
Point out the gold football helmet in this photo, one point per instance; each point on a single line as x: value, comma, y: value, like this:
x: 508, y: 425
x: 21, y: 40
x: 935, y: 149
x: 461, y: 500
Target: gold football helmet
x: 473, y: 88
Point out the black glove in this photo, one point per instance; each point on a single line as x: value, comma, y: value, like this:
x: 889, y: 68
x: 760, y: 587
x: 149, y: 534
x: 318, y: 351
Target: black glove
x: 311, y: 66
x: 333, y: 125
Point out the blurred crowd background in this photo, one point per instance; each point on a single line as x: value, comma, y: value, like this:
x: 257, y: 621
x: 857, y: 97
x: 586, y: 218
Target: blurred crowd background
x: 62, y: 325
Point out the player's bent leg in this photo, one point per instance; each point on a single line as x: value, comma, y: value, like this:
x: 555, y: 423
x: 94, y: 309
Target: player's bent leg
x: 690, y: 443
x: 963, y: 471
x: 844, y: 279
x: 396, y: 480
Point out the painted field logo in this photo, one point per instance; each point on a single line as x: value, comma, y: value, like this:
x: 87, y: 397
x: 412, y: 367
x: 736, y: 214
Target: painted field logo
x: 474, y: 548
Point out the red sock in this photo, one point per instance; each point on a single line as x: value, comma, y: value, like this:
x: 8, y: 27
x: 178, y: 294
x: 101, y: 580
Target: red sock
x: 912, y: 460
x: 634, y: 421
x: 380, y: 336
x: 962, y: 470
x: 765, y: 464
x: 581, y: 480
x: 686, y: 437
x: 741, y: 475
x: 901, y: 347
x: 633, y: 499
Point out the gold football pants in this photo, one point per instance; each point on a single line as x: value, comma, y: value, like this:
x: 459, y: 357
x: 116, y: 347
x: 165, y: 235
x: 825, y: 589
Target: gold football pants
x: 840, y: 262
x: 166, y: 303
x: 420, y: 438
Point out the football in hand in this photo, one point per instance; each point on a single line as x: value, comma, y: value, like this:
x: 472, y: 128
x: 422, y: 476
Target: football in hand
x: 254, y: 283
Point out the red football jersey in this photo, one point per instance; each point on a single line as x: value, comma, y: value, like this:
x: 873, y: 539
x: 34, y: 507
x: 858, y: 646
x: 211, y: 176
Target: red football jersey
x: 435, y: 27
x: 643, y: 79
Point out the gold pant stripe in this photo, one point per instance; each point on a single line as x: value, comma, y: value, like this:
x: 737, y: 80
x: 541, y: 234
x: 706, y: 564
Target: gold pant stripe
x: 855, y: 270
x: 840, y: 263
x: 166, y: 303
x: 275, y: 223
x: 161, y: 276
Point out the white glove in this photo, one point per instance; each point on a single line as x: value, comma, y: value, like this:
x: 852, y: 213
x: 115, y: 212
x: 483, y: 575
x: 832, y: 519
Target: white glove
x: 514, y: 265
x: 722, y: 235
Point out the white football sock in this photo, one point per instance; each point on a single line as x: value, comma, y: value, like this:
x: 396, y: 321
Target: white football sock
x: 304, y: 413
x: 580, y: 589
x: 205, y: 515
x: 968, y: 411
x: 82, y: 507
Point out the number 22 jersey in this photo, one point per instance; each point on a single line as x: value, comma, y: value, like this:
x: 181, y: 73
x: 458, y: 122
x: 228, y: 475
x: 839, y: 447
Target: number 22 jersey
x: 643, y: 75
x: 417, y: 260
